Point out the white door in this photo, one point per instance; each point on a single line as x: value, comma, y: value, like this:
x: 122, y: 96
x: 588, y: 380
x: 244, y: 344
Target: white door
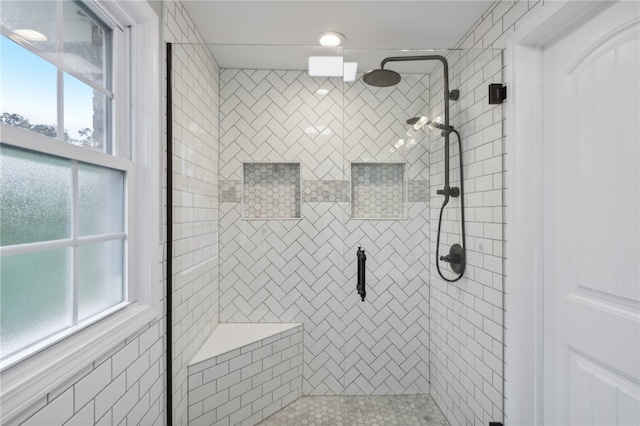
x: 592, y: 220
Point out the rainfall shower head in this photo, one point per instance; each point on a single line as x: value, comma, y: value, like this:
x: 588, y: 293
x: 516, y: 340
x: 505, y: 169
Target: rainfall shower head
x: 381, y: 78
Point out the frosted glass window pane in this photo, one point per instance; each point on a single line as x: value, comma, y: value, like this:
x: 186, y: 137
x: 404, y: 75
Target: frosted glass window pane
x: 35, y: 297
x: 85, y: 43
x: 35, y: 197
x: 100, y: 277
x: 85, y: 115
x: 38, y: 17
x: 101, y: 200
x: 28, y: 88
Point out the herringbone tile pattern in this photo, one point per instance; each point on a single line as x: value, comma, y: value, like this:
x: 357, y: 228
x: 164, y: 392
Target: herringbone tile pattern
x: 304, y: 270
x: 375, y: 120
x: 289, y: 271
x: 281, y: 116
x: 386, y: 337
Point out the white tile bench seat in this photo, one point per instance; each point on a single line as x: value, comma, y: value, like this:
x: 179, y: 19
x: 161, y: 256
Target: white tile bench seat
x: 245, y: 372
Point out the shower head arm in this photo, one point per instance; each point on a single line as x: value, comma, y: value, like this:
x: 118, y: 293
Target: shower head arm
x: 445, y: 65
x: 447, y: 96
x: 415, y: 58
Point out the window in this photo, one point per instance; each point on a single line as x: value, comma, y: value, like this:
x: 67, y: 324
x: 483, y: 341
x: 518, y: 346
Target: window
x: 128, y: 151
x: 80, y: 238
x: 64, y: 235
x: 57, y: 71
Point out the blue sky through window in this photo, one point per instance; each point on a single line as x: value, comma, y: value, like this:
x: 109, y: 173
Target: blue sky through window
x: 28, y: 88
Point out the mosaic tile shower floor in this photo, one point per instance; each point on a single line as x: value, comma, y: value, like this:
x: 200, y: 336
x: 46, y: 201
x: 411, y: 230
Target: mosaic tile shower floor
x: 396, y: 410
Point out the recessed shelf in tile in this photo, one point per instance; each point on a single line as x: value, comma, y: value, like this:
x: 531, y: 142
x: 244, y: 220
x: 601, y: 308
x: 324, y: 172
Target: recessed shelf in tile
x: 271, y: 191
x: 378, y: 191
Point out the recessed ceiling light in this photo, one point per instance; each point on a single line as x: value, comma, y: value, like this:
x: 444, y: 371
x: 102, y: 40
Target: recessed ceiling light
x: 331, y: 39
x: 30, y: 35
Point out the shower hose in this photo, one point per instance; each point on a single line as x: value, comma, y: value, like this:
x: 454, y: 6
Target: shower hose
x: 444, y: 204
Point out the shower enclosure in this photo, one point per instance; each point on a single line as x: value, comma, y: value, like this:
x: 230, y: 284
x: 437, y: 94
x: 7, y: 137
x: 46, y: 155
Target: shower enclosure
x: 278, y: 179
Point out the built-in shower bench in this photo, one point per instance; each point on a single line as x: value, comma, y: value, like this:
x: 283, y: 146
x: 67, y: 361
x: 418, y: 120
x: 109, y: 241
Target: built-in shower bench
x: 245, y: 372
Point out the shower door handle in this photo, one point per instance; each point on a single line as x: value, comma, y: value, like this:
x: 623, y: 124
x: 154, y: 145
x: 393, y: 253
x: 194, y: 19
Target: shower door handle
x: 362, y: 258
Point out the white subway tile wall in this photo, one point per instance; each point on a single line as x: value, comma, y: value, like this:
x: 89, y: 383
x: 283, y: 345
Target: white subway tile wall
x: 295, y: 271
x: 248, y: 384
x: 289, y: 271
x: 467, y: 316
x: 125, y: 386
x: 387, y: 336
x: 195, y: 197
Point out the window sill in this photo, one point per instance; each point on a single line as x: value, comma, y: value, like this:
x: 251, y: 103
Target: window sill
x: 26, y: 382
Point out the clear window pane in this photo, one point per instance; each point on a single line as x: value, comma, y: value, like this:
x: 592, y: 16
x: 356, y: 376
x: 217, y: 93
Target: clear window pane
x: 101, y: 200
x: 85, y: 115
x: 28, y: 87
x: 35, y: 197
x: 33, y: 22
x: 85, y: 43
x: 100, y: 277
x: 35, y: 297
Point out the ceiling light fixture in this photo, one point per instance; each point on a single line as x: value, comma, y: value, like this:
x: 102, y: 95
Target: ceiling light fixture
x: 30, y: 35
x: 331, y: 39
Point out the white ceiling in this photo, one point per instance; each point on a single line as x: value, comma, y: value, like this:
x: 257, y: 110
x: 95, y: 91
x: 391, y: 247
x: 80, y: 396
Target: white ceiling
x: 367, y: 25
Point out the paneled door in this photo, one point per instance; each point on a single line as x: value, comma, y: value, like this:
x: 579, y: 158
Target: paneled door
x: 592, y: 220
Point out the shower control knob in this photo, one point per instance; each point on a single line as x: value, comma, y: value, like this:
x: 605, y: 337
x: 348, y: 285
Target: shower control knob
x: 451, y: 258
x: 455, y: 191
x: 455, y: 258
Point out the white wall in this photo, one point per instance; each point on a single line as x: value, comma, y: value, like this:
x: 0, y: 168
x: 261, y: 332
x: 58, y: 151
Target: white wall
x: 467, y: 316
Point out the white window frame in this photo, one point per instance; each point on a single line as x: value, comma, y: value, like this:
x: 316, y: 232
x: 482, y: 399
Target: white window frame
x: 28, y: 381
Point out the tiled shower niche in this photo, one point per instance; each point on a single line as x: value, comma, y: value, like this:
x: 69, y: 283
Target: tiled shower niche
x: 378, y: 191
x: 271, y: 191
